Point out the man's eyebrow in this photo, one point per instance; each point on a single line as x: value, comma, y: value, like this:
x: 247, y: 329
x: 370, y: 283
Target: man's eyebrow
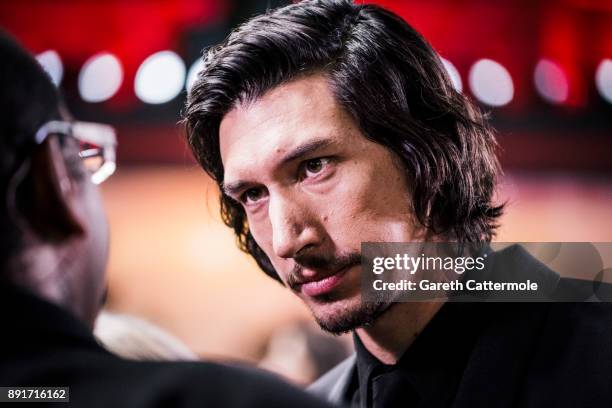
x: 232, y: 189
x: 235, y: 187
x: 304, y: 149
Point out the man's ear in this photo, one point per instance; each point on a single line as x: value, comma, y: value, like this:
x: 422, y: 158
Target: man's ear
x: 53, y: 194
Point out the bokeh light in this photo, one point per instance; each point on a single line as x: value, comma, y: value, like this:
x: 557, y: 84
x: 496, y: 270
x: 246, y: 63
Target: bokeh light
x: 551, y: 81
x: 454, y: 74
x: 603, y: 79
x: 160, y: 78
x: 491, y: 83
x: 52, y: 64
x: 192, y: 74
x: 100, y: 78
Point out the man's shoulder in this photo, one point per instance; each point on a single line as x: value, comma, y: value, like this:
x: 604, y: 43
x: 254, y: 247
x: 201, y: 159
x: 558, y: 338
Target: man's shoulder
x: 213, y: 384
x: 572, y: 361
x: 584, y: 322
x: 97, y: 378
x: 331, y: 385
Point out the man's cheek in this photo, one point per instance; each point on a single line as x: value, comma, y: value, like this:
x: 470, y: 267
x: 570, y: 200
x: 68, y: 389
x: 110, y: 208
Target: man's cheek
x: 266, y: 246
x: 399, y: 231
x: 282, y: 267
x: 262, y: 234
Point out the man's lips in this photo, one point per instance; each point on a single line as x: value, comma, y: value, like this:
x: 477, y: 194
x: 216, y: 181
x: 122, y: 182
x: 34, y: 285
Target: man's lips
x: 320, y: 286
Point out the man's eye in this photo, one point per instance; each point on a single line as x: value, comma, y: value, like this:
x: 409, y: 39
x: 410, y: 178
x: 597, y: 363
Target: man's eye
x: 252, y: 195
x: 315, y: 166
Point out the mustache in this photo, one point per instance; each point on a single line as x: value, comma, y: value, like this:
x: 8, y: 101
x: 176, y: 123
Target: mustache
x: 326, y: 265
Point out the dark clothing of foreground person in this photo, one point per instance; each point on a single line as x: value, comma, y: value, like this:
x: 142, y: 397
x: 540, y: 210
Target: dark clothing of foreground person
x: 53, y: 254
x: 43, y: 345
x: 493, y: 354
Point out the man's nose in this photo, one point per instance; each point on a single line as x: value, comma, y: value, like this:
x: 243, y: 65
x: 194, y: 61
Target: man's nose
x: 292, y: 226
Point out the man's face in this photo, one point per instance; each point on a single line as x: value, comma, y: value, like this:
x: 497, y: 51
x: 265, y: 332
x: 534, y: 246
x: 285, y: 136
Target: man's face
x: 314, y: 188
x: 86, y: 272
x: 97, y: 242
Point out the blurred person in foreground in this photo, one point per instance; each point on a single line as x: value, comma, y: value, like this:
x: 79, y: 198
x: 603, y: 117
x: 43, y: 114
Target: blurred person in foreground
x: 327, y: 124
x: 53, y: 253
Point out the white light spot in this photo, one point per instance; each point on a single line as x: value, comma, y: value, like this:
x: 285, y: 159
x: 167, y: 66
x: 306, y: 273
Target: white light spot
x: 193, y: 72
x: 160, y: 78
x: 491, y: 83
x: 100, y: 78
x: 551, y: 81
x: 454, y: 75
x: 603, y: 79
x: 52, y: 64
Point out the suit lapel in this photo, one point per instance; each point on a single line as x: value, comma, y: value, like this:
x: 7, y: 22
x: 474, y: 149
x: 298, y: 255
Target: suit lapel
x: 496, y: 370
x: 339, y: 389
x: 334, y: 384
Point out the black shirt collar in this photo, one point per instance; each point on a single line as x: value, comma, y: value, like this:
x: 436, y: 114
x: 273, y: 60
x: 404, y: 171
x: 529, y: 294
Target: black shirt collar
x: 434, y: 363
x: 32, y: 322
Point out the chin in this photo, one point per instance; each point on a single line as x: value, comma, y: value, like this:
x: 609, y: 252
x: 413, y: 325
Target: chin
x: 343, y: 316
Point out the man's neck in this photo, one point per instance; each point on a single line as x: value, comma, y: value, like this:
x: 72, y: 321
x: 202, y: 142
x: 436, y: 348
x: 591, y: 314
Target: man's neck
x: 37, y: 269
x: 393, y: 332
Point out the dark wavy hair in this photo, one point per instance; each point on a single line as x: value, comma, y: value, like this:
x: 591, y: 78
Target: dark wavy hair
x: 387, y: 77
x: 28, y: 99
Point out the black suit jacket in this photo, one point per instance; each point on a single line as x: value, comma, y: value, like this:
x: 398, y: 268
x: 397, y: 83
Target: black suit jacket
x: 43, y: 345
x: 527, y: 354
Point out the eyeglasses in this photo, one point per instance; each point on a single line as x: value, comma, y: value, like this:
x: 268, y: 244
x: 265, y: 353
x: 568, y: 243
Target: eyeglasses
x: 97, y: 145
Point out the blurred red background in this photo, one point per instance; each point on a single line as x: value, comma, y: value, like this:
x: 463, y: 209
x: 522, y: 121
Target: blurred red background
x: 173, y: 262
x: 572, y: 37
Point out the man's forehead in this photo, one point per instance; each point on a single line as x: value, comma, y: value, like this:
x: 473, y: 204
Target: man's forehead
x: 253, y: 155
x: 255, y: 134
